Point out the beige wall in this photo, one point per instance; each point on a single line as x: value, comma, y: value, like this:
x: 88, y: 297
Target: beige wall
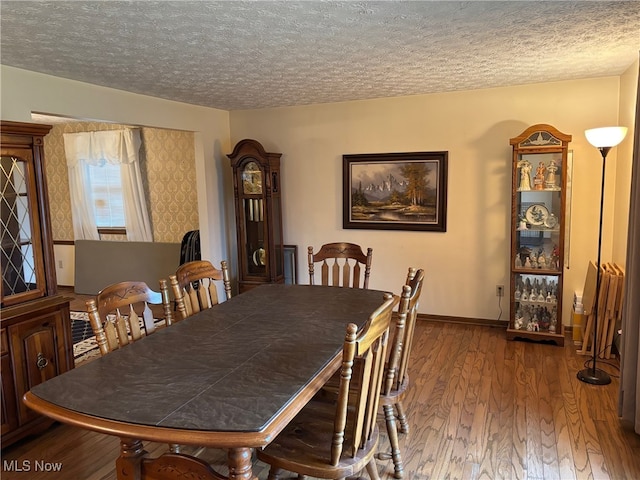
x: 167, y: 160
x: 464, y: 264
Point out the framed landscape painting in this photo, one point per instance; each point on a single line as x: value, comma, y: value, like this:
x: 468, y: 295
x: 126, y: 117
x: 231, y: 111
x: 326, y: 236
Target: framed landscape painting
x: 395, y: 191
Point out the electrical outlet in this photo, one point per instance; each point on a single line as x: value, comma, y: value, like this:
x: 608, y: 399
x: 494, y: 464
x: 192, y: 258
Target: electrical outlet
x: 60, y: 264
x: 499, y: 290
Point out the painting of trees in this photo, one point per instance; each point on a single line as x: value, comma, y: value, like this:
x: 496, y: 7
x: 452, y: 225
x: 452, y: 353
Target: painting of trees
x: 398, y: 191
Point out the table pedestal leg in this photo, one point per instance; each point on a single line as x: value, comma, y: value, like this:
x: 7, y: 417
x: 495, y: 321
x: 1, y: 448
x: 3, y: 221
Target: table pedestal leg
x: 239, y: 461
x: 128, y: 464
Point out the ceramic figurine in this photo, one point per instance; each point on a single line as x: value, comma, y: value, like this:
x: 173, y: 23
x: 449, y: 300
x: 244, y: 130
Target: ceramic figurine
x: 542, y: 261
x: 538, y: 180
x: 525, y: 178
x: 550, y: 182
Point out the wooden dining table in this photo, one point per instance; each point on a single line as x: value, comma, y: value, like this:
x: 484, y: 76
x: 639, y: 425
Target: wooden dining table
x: 230, y: 377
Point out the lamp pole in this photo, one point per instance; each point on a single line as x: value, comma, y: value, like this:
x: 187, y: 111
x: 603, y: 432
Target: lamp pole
x: 593, y: 375
x: 603, y: 139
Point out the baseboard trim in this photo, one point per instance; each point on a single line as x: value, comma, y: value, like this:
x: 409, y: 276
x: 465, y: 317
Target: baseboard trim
x: 465, y: 320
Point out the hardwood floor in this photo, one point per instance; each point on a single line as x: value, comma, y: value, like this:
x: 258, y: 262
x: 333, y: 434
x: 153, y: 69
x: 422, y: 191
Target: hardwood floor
x: 479, y: 407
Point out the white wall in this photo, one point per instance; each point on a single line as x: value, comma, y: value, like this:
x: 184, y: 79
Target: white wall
x: 464, y: 264
x: 24, y: 92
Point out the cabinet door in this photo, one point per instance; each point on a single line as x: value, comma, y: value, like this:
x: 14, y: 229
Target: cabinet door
x: 23, y: 267
x: 38, y: 346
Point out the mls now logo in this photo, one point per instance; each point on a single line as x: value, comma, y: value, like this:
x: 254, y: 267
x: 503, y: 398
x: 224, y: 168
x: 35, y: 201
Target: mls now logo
x: 31, y: 465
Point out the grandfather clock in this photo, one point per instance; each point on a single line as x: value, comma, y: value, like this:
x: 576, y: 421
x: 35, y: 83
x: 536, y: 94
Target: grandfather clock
x: 256, y: 190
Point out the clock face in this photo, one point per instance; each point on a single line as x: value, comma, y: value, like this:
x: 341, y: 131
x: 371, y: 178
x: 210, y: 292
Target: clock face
x: 251, y: 178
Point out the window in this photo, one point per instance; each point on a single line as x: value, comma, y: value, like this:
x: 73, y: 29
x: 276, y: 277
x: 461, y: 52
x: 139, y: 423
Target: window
x: 106, y: 190
x: 105, y: 182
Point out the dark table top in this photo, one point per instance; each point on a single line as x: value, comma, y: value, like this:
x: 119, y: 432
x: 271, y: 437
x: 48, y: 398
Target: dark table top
x: 231, y: 368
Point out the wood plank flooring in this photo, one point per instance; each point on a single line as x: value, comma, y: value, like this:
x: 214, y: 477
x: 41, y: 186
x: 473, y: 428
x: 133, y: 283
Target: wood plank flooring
x: 480, y: 407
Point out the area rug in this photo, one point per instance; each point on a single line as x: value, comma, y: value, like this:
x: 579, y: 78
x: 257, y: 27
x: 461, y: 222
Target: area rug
x: 85, y: 346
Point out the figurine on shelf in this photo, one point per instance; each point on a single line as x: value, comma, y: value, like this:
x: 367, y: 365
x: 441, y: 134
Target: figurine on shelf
x: 518, y: 262
x: 550, y: 182
x: 542, y: 260
x: 538, y: 181
x: 554, y: 321
x: 518, y: 322
x: 522, y: 222
x: 525, y: 177
x: 555, y: 258
x: 535, y: 324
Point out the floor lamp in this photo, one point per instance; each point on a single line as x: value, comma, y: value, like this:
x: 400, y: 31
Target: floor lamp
x: 603, y: 139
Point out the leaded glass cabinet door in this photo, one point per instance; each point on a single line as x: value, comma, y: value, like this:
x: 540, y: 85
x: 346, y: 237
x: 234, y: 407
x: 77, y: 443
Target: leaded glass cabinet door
x: 256, y: 177
x: 539, y: 179
x: 27, y: 254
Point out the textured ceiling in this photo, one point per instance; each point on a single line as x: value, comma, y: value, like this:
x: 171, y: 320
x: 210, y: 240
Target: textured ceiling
x: 243, y: 55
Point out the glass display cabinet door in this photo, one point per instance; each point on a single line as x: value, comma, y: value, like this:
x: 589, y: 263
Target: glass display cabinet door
x: 537, y: 233
x: 23, y: 275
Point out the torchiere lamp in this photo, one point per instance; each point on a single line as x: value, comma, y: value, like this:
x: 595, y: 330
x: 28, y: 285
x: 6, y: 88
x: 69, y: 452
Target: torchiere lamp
x: 603, y: 139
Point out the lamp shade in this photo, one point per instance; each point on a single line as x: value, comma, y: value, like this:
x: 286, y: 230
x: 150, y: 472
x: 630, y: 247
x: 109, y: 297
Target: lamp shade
x: 605, y: 136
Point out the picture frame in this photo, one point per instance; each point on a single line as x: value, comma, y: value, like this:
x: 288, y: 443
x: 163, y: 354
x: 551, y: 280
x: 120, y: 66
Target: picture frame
x: 395, y: 191
x: 290, y: 264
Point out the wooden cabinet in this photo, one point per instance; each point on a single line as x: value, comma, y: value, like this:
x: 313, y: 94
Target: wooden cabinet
x: 538, y: 211
x: 35, y: 326
x: 256, y: 189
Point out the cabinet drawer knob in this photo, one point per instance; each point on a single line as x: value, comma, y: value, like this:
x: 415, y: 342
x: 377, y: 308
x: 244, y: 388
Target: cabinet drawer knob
x: 41, y: 362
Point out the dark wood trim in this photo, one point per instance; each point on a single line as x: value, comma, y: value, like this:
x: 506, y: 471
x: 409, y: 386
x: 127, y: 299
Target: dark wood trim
x: 64, y: 242
x: 486, y: 322
x: 112, y: 231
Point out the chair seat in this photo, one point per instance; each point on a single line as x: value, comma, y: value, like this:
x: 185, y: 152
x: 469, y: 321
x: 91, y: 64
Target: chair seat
x: 304, y: 445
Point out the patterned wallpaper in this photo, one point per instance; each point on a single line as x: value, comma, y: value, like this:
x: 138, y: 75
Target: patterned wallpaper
x: 169, y: 178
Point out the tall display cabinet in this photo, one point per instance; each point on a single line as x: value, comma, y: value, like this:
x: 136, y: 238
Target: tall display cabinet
x: 538, y: 217
x: 256, y: 190
x: 35, y: 327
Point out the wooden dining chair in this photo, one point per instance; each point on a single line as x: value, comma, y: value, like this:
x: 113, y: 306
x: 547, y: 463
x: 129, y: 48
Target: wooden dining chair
x: 342, y: 265
x: 121, y: 313
x: 335, y: 439
x: 396, y: 377
x: 195, y: 283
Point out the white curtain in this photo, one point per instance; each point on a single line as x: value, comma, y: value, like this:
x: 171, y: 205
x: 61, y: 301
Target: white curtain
x: 97, y: 148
